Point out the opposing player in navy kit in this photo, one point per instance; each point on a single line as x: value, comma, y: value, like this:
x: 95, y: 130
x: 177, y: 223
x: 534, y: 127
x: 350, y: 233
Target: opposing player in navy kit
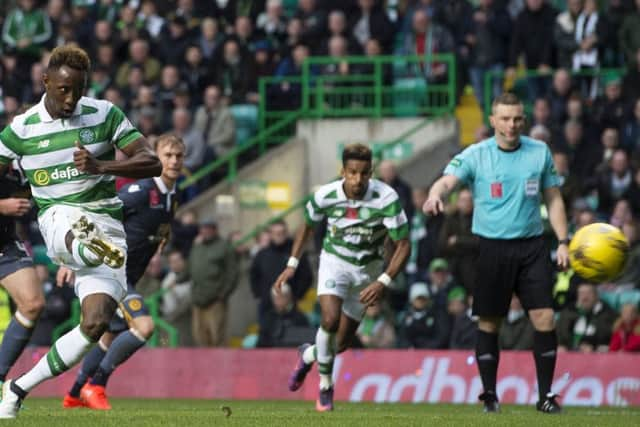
x: 17, y: 274
x: 149, y: 207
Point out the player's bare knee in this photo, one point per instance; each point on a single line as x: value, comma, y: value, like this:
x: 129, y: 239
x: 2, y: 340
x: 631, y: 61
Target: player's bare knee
x: 490, y: 325
x: 32, y: 307
x: 542, y: 319
x: 144, y: 327
x: 94, y: 325
x: 330, y: 322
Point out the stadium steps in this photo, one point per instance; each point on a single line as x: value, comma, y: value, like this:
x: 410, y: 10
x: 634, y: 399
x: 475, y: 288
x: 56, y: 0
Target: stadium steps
x: 469, y: 115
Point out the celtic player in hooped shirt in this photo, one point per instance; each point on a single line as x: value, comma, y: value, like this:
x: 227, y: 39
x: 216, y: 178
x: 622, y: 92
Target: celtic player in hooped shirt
x: 66, y: 145
x: 361, y: 212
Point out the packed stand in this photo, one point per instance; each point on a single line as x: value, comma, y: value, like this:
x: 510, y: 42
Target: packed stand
x: 191, y: 67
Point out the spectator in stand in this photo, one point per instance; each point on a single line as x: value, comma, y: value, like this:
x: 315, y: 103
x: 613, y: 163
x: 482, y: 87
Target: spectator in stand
x: 285, y: 95
x: 615, y: 183
x: 129, y: 27
x: 376, y: 330
x: 243, y: 33
x: 210, y: 39
x: 621, y: 214
x: 215, y: 122
x: 33, y: 92
x: 630, y: 276
x: 106, y: 59
x: 583, y: 155
x: 591, y: 31
x: 103, y: 34
x: 609, y: 110
x: 293, y: 39
x: 424, y: 325
x: 135, y: 80
x: 153, y: 23
x: 314, y: 23
x: 564, y: 34
x: 139, y: 55
x: 192, y: 137
x: 457, y: 243
x: 195, y: 71
x: 56, y: 11
x: 26, y: 30
x: 561, y: 90
x: 425, y: 39
x: 440, y: 282
x: 272, y: 23
x: 176, y: 302
x: 463, y: 330
x: 631, y: 131
x: 145, y: 98
x: 235, y: 75
x: 371, y: 21
x: 626, y: 330
x: 213, y: 272
x: 417, y: 265
x: 149, y: 283
x: 388, y: 173
x: 166, y: 92
x: 187, y: 9
x: 338, y: 27
x: 631, y: 82
x: 516, y: 332
x: 585, y: 326
x: 541, y: 114
x: 146, y: 121
x: 488, y: 41
x: 184, y: 231
x: 174, y: 41
x: 263, y: 59
x: 269, y: 263
x: 629, y: 35
x: 457, y: 17
x: 570, y: 186
x: 285, y: 325
x: 537, y: 18
x: 616, y: 11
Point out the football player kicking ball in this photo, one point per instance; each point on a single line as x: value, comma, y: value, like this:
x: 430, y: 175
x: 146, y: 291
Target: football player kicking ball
x: 66, y: 144
x: 149, y: 207
x: 361, y: 212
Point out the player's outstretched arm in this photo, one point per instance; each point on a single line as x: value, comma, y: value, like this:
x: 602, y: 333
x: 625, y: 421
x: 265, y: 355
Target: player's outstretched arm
x: 443, y: 186
x: 302, y: 236
x: 141, y: 161
x: 373, y: 292
x: 558, y: 219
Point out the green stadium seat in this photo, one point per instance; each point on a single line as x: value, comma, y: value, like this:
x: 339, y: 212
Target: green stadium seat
x: 246, y: 118
x: 409, y: 96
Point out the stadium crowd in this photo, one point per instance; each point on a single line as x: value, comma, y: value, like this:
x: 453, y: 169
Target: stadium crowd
x: 182, y: 66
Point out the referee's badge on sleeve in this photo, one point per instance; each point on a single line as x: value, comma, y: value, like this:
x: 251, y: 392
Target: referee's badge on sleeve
x: 532, y: 187
x: 496, y: 190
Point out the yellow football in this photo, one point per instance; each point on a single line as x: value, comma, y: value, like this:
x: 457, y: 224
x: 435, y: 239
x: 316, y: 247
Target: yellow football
x: 598, y: 252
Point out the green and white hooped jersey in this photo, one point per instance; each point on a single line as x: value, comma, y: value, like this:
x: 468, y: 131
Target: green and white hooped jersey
x: 356, y: 229
x: 45, y: 149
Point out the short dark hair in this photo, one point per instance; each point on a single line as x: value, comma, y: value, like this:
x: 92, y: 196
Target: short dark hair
x: 71, y: 56
x: 506, y: 98
x: 356, y: 152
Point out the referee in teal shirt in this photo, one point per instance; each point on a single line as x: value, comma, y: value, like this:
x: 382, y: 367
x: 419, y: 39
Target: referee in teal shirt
x: 508, y: 174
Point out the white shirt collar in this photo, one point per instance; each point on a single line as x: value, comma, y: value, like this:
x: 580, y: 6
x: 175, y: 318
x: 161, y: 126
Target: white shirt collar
x: 162, y: 186
x: 45, y: 117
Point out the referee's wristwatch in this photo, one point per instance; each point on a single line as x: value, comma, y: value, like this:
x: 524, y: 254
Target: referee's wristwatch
x: 564, y: 242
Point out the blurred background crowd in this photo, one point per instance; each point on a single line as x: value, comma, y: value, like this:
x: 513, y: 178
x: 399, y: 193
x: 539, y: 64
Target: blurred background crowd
x: 189, y: 67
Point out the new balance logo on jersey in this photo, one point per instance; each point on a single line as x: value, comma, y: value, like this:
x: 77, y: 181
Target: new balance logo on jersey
x: 43, y: 144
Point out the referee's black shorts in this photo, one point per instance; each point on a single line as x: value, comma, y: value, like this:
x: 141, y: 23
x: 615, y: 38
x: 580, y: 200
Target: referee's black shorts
x: 522, y: 266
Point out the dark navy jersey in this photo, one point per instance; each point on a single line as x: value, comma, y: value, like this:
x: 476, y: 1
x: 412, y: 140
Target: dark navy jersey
x: 12, y: 184
x: 148, y: 211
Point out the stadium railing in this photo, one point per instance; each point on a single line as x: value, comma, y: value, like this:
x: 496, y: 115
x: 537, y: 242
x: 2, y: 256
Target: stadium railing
x: 519, y: 84
x: 380, y: 86
x: 378, y: 155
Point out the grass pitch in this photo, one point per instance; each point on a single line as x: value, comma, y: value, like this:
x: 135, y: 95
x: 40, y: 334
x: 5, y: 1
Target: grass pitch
x: 186, y: 413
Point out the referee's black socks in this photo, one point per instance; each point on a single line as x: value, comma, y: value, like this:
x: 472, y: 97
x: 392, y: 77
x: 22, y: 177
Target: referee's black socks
x: 544, y: 351
x: 487, y: 356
